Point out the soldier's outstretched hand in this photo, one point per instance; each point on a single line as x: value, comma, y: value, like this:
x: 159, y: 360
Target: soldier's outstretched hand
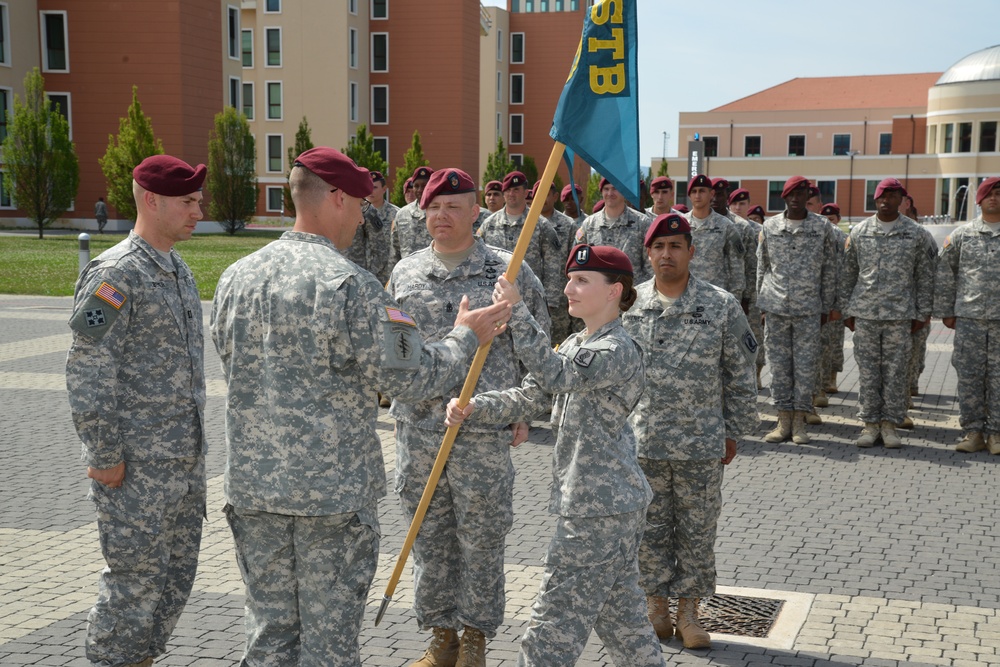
x: 487, y: 323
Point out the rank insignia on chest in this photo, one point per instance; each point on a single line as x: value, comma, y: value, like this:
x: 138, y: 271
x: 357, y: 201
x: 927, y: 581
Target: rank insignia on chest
x: 449, y: 308
x: 584, y: 358
x: 95, y: 317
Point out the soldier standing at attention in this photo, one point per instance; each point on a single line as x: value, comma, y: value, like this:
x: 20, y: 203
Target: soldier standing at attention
x: 967, y: 299
x: 136, y: 379
x: 739, y: 203
x: 408, y: 195
x: 886, y: 289
x: 699, y: 352
x: 796, y: 293
x: 599, y: 493
x: 918, y: 349
x: 719, y: 259
x: 619, y: 226
x: 565, y: 227
x: 569, y: 204
x: 370, y: 248
x: 661, y: 189
x: 458, y: 554
x: 493, y: 196
x: 756, y: 214
x: 833, y: 332
x: 306, y: 338
x: 409, y: 229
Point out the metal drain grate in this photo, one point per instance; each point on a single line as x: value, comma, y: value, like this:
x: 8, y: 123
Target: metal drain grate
x: 738, y: 615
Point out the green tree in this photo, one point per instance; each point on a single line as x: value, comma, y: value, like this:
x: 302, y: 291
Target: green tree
x: 361, y: 149
x: 593, y: 192
x: 414, y: 158
x: 39, y: 159
x: 232, y: 171
x: 303, y: 142
x: 135, y: 143
x: 529, y: 169
x: 664, y: 169
x: 498, y: 164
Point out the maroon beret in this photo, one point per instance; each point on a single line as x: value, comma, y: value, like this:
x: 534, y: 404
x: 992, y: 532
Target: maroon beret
x: 813, y: 191
x: 446, y: 182
x: 986, y: 187
x: 168, y: 176
x: 681, y: 208
x: 567, y: 191
x: 604, y: 181
x: 529, y: 195
x: 422, y: 173
x: 830, y: 209
x: 661, y: 183
x: 514, y: 179
x: 794, y: 183
x: 888, y: 184
x: 494, y: 186
x: 599, y: 205
x: 699, y: 181
x: 757, y: 210
x: 668, y: 224
x: 719, y: 183
x: 408, y: 185
x: 601, y: 258
x: 336, y: 169
x: 739, y: 194
x: 377, y: 176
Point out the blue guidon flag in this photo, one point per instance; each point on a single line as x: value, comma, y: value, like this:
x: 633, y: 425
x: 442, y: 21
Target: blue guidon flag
x: 598, y: 112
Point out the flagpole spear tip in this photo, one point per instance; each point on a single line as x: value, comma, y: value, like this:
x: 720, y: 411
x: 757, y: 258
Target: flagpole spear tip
x: 381, y: 610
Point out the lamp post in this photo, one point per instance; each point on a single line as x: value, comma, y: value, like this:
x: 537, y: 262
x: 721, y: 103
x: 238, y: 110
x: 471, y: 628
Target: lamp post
x: 850, y: 187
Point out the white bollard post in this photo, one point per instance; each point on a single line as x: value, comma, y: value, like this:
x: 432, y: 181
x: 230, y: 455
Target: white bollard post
x: 84, y: 250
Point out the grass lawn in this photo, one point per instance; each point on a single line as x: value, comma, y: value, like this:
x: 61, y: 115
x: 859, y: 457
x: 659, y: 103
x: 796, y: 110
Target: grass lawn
x: 49, y: 266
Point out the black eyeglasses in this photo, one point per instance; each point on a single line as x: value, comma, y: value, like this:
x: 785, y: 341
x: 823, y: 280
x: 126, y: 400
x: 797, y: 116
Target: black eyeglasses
x: 365, y: 204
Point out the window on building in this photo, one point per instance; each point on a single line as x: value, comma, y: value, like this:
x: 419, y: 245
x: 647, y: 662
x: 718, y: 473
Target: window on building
x: 380, y: 105
x: 517, y: 89
x: 352, y: 97
x: 248, y: 48
x: 962, y: 198
x: 680, y: 193
x: 274, y: 150
x: 233, y: 32
x: 517, y: 48
x: 61, y: 102
x: 988, y: 136
x: 352, y: 48
x: 234, y: 92
x: 352, y: 6
x: 55, y: 42
x: 275, y: 199
x: 248, y: 99
x: 4, y: 35
x: 272, y: 6
x: 529, y: 5
x: 574, y: 5
x: 965, y: 137
x: 796, y: 146
x: 516, y: 128
x: 380, y: 52
x: 885, y: 143
x: 5, y: 199
x: 380, y: 9
x: 711, y: 146
x: 499, y: 128
x: 381, y: 145
x: 5, y: 97
x: 499, y: 45
x: 827, y: 191
x: 274, y: 100
x: 841, y: 144
x: 272, y: 39
x: 751, y: 146
x: 774, y: 200
x: 517, y: 159
x: 948, y: 132
x: 870, y: 194
x: 945, y: 201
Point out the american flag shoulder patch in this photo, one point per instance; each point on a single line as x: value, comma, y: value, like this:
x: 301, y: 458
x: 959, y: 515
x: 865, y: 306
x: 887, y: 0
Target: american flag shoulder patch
x: 109, y: 294
x: 396, y: 315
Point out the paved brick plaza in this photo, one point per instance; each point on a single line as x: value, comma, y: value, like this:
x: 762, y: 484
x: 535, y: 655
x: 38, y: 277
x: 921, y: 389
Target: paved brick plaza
x: 895, y: 553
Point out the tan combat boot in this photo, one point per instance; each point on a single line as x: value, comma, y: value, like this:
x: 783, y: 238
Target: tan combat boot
x: 443, y: 649
x: 688, y: 627
x: 889, y: 438
x: 994, y: 443
x: 831, y: 385
x: 821, y: 400
x: 812, y: 418
x: 783, y: 429
x: 799, y: 436
x: 658, y: 609
x: 472, y: 649
x: 907, y: 423
x: 972, y: 442
x: 148, y: 662
x: 869, y: 435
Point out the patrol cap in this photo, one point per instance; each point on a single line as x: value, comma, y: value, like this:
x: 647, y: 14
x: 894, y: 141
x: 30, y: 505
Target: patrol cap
x: 601, y: 258
x: 599, y: 205
x: 422, y: 172
x: 668, y: 224
x: 376, y: 176
x: 718, y: 183
x: 681, y: 208
x: 169, y: 176
x: 699, y: 181
x: 494, y: 186
x: 336, y: 169
x: 567, y: 191
x: 830, y: 209
x: 757, y: 210
x: 887, y: 184
x: 447, y: 181
x: 514, y: 179
x: 794, y: 183
x: 739, y: 194
x: 986, y: 187
x: 661, y: 183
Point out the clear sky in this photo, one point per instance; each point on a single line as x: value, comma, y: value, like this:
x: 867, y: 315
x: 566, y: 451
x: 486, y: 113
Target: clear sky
x: 694, y: 56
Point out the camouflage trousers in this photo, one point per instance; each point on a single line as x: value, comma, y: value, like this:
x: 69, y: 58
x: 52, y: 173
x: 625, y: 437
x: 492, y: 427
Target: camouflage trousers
x: 458, y: 576
x: 882, y: 353
x: 561, y: 324
x: 918, y: 354
x: 831, y: 353
x: 307, y: 581
x: 976, y: 359
x: 792, y: 345
x: 677, y: 556
x: 150, y: 530
x: 753, y: 318
x: 591, y: 581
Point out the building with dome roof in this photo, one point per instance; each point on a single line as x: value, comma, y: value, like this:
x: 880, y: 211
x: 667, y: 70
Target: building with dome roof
x: 936, y: 132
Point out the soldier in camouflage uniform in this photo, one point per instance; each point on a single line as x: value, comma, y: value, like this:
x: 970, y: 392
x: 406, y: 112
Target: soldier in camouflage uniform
x: 409, y: 229
x: 599, y: 494
x: 619, y: 226
x: 886, y: 289
x: 371, y: 245
x: 569, y: 204
x: 136, y: 380
x: 305, y: 338
x: 833, y: 331
x: 661, y: 189
x: 796, y: 293
x: 458, y: 553
x: 719, y: 259
x: 967, y: 299
x: 756, y: 214
x: 738, y: 204
x: 700, y: 399
x: 493, y: 196
x: 918, y: 349
x: 565, y: 227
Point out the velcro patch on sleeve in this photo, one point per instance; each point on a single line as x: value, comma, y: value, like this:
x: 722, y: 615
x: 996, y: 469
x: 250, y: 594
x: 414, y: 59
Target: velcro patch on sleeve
x: 397, y: 315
